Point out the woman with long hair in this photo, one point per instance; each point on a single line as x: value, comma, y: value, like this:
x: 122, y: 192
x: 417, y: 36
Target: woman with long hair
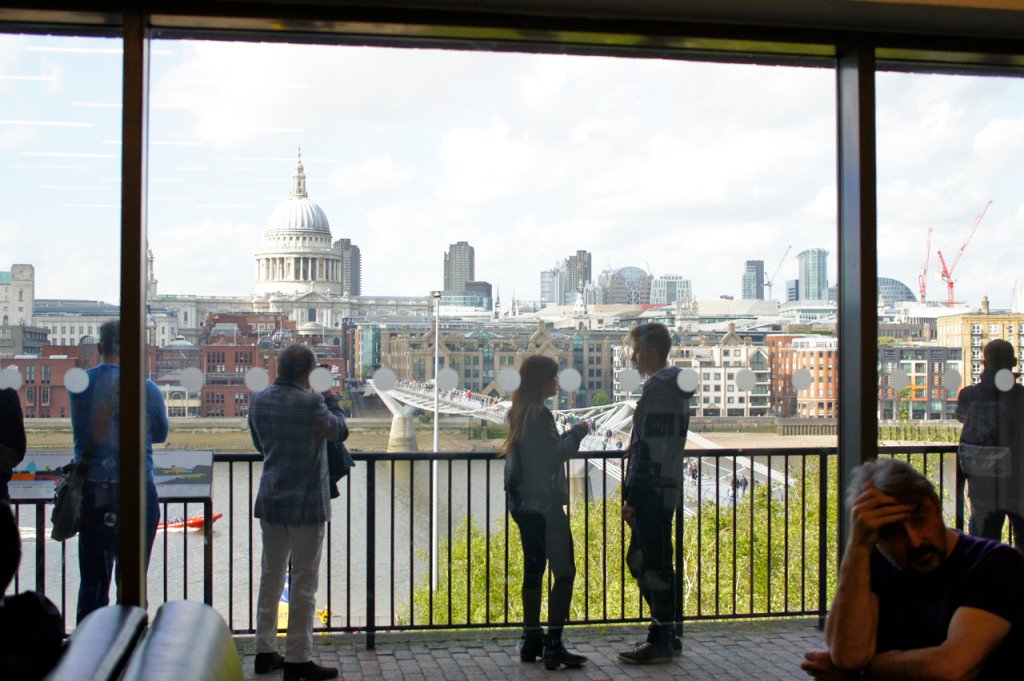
x: 536, y: 489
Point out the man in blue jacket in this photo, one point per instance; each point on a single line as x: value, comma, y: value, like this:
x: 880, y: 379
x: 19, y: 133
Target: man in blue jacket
x: 650, y: 490
x: 95, y: 415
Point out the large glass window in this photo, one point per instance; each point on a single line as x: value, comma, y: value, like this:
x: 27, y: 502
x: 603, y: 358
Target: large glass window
x: 60, y: 133
x: 947, y: 249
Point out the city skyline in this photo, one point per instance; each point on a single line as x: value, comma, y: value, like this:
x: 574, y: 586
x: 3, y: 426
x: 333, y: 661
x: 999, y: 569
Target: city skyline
x: 549, y: 154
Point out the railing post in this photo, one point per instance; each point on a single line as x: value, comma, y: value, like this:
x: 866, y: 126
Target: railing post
x: 371, y: 556
x: 959, y: 501
x: 822, y: 539
x: 680, y: 515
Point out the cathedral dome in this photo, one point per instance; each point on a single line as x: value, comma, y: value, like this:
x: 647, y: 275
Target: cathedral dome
x: 298, y: 213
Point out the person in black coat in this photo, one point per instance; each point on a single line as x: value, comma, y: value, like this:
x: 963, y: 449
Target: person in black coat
x: 31, y: 628
x: 12, y: 438
x: 536, y: 491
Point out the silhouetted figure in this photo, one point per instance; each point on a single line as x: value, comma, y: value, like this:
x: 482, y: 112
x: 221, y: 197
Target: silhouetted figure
x: 536, y: 490
x: 31, y: 628
x: 95, y: 415
x: 12, y: 438
x: 991, y: 454
x: 651, y: 488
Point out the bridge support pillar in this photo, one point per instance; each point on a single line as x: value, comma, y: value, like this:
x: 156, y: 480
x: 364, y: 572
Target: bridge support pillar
x: 403, y: 428
x: 403, y: 434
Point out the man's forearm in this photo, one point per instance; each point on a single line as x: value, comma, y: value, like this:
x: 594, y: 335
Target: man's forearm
x: 852, y: 622
x: 922, y: 664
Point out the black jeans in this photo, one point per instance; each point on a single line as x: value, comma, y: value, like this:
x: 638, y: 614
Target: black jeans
x: 650, y: 561
x: 546, y: 538
x: 97, y: 541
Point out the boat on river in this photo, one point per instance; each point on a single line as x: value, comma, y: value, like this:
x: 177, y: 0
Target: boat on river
x: 193, y: 523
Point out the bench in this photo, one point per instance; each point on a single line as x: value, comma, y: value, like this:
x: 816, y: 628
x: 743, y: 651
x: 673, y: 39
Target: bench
x: 187, y: 640
x: 99, y: 648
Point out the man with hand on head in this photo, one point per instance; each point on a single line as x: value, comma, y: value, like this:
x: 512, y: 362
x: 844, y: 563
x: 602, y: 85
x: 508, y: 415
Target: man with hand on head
x: 916, y: 599
x: 289, y: 425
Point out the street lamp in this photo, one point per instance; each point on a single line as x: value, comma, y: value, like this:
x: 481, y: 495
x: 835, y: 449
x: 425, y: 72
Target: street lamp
x: 436, y: 295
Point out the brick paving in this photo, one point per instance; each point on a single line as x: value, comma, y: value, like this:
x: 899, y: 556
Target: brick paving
x: 711, y: 650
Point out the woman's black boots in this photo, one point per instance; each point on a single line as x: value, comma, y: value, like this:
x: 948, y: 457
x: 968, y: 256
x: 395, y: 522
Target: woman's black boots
x: 531, y: 645
x: 556, y: 655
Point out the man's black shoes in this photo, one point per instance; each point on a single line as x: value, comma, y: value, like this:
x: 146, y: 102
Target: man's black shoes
x: 308, y: 671
x: 647, y: 653
x: 265, y: 662
x: 676, y: 645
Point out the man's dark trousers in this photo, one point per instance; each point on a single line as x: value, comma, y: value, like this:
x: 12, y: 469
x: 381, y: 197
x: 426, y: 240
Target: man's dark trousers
x: 650, y: 561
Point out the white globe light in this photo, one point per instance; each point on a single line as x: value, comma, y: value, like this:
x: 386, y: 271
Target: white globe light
x: 900, y: 380
x: 192, y: 379
x: 688, y: 380
x: 384, y: 379
x: 76, y: 380
x: 802, y: 379
x: 745, y: 380
x: 951, y: 379
x: 1004, y: 380
x: 629, y: 379
x: 321, y: 380
x: 509, y: 380
x: 10, y: 378
x: 447, y: 379
x: 257, y: 379
x: 570, y: 380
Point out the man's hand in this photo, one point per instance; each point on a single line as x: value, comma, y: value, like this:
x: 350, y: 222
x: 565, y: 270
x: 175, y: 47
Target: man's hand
x: 873, y: 510
x: 628, y: 513
x: 818, y: 664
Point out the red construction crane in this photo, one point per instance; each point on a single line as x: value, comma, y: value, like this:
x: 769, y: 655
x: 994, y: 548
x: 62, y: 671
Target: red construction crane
x: 947, y: 272
x: 922, y: 279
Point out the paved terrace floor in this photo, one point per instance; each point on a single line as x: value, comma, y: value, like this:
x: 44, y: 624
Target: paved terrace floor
x: 729, y: 650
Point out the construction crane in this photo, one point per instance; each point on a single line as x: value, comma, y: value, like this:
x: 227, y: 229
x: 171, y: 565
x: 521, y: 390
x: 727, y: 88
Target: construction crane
x: 922, y: 279
x: 768, y: 281
x: 947, y: 272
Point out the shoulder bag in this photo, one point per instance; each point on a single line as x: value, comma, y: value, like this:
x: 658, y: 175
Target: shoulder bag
x: 66, y: 517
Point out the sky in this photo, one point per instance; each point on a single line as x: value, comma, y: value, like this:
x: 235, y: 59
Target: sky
x: 677, y: 167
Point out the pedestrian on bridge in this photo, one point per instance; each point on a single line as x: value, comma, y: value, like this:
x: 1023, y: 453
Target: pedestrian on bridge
x: 536, y: 491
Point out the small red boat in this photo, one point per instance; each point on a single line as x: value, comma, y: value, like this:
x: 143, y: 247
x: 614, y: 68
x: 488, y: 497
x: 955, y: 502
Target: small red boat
x: 193, y: 523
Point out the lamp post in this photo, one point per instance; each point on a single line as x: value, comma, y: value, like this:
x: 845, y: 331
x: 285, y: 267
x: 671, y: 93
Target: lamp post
x: 436, y: 295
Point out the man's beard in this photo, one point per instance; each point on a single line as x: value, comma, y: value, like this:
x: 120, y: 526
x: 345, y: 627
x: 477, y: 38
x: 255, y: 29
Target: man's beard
x: 924, y: 558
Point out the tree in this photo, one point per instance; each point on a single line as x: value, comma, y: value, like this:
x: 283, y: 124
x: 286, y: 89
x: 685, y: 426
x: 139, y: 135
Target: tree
x: 600, y: 398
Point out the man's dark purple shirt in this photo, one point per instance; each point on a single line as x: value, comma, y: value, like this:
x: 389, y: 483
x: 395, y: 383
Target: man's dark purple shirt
x: 915, y: 610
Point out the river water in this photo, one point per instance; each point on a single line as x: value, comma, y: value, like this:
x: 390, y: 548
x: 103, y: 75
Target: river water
x: 402, y: 515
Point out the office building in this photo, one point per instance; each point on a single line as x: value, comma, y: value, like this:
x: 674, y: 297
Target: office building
x: 578, y: 273
x: 792, y: 290
x: 752, y: 285
x: 351, y: 267
x: 671, y: 288
x: 17, y: 294
x: 459, y: 266
x: 813, y: 264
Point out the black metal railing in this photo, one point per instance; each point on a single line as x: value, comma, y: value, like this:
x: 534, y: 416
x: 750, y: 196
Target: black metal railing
x: 422, y: 541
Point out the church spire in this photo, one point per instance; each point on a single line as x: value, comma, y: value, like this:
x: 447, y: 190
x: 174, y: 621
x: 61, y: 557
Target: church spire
x: 299, y: 179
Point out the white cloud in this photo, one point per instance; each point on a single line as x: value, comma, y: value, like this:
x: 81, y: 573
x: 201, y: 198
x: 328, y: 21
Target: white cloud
x: 483, y: 164
x: 371, y: 175
x: 218, y: 249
